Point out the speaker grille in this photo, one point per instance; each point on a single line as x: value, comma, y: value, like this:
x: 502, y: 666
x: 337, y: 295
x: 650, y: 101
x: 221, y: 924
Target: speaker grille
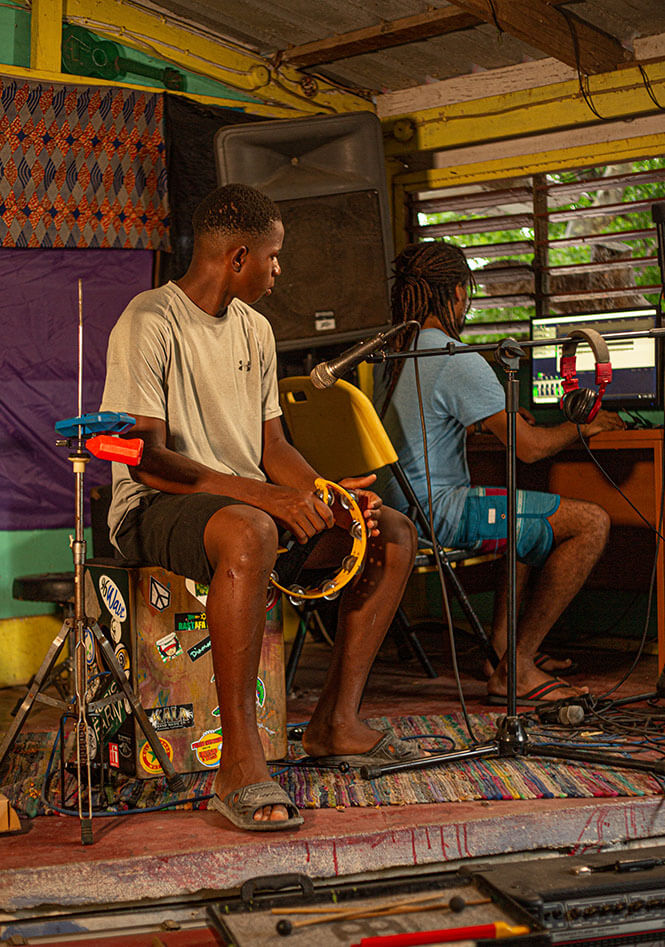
x: 333, y: 276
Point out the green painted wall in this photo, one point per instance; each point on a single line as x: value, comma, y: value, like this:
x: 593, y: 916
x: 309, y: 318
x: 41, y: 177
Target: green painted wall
x: 15, y: 51
x: 14, y: 34
x: 32, y: 552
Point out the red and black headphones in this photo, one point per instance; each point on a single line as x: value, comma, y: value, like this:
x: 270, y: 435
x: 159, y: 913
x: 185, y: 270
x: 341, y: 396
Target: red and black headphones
x: 581, y: 405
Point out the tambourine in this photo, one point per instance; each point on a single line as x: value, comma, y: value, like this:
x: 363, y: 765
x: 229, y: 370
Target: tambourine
x: 330, y: 587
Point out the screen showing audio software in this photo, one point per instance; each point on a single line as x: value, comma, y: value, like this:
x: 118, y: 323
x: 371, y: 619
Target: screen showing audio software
x: 636, y: 381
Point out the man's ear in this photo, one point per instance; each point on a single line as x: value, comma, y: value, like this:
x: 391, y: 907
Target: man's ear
x: 460, y: 292
x: 238, y: 258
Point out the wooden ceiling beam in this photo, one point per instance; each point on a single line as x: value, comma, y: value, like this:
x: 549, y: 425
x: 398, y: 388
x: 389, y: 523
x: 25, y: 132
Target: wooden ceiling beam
x: 408, y: 29
x: 558, y: 33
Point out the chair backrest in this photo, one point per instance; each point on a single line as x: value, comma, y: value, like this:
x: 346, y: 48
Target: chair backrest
x: 336, y: 429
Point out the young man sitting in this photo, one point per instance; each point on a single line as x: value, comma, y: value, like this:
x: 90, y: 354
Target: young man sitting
x: 196, y: 366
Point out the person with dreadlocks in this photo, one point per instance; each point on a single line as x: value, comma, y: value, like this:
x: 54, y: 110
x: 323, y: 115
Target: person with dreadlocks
x: 218, y: 485
x: 559, y: 538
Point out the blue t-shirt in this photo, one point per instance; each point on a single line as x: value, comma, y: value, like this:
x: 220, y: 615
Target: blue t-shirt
x: 457, y: 391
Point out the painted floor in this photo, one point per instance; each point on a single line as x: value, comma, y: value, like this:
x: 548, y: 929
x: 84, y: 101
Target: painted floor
x: 175, y: 855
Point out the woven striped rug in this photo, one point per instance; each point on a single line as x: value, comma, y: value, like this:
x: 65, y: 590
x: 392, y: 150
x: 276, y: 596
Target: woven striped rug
x: 22, y: 776
x: 524, y: 778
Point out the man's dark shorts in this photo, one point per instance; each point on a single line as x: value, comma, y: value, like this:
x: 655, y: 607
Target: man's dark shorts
x: 166, y: 529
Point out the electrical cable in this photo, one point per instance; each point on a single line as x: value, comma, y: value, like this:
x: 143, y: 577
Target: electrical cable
x: 109, y: 812
x: 649, y: 88
x: 616, y: 486
x: 582, y: 78
x: 652, y: 582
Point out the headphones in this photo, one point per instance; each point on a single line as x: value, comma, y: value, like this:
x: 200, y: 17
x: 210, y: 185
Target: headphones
x: 581, y: 405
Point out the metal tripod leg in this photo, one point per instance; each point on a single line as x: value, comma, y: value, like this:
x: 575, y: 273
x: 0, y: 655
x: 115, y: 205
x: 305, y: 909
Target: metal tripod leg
x: 174, y: 779
x: 33, y: 691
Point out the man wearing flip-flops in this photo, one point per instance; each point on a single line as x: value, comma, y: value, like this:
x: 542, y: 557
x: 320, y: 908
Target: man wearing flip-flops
x: 558, y: 539
x: 218, y: 482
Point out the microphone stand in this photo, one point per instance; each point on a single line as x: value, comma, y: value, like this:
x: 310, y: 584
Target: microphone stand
x: 511, y: 739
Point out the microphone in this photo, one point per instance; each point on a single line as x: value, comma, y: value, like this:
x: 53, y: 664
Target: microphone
x: 325, y: 374
x: 568, y: 715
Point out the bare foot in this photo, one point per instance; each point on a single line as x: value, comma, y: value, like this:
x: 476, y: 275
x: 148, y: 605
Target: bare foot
x: 549, y: 666
x: 336, y: 740
x: 529, y: 678
x: 238, y: 777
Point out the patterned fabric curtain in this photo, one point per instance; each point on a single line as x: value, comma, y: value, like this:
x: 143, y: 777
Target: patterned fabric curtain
x: 81, y: 167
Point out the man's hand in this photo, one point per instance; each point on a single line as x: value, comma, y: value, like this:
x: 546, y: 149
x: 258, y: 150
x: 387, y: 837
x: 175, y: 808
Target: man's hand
x: 604, y: 421
x: 528, y: 417
x: 370, y: 503
x: 301, y: 511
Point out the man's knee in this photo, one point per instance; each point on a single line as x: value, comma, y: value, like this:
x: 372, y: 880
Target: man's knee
x: 581, y: 518
x: 243, y: 535
x: 398, y: 529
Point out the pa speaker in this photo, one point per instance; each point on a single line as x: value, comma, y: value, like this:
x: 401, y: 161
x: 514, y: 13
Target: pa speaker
x: 327, y: 175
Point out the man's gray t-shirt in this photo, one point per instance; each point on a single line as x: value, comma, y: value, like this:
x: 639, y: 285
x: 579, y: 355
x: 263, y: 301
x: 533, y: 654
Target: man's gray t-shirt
x: 212, y: 379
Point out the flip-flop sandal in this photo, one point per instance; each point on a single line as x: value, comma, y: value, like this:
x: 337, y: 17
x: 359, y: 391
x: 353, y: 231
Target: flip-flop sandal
x: 536, y: 696
x: 389, y: 749
x: 542, y: 658
x: 241, y: 804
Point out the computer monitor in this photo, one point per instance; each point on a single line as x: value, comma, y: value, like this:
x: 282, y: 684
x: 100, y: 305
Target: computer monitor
x: 636, y: 363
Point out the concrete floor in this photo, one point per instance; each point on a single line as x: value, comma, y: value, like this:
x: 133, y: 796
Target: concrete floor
x: 176, y: 855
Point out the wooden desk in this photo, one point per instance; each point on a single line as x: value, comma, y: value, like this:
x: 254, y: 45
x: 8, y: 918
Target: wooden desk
x: 634, y: 459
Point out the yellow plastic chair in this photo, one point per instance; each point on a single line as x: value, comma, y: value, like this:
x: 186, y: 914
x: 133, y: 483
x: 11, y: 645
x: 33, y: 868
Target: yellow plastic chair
x: 339, y: 432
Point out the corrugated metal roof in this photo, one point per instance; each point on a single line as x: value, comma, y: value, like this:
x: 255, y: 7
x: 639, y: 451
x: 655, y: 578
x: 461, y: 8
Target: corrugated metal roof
x: 270, y: 28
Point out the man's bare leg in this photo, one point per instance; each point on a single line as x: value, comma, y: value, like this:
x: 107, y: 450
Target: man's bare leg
x: 580, y: 534
x: 241, y: 545
x: 499, y: 634
x: 366, y: 611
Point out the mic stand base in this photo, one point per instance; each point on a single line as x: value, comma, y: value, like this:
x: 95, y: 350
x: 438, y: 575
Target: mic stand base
x: 512, y: 742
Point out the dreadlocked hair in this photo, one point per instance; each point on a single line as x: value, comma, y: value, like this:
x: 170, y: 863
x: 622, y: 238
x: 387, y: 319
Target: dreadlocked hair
x: 426, y: 276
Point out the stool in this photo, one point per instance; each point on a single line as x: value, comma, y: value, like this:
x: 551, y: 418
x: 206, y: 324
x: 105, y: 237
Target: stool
x: 58, y: 588
x: 155, y: 622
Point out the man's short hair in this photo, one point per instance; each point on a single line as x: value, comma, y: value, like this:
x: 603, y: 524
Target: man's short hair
x: 235, y: 208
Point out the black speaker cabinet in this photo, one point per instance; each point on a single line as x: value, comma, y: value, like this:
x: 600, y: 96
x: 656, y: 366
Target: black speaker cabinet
x: 327, y: 175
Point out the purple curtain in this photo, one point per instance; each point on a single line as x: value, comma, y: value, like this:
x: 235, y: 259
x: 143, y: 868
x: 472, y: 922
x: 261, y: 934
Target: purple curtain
x: 39, y: 353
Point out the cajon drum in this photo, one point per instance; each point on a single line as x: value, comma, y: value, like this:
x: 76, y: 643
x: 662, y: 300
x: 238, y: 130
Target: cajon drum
x: 156, y: 621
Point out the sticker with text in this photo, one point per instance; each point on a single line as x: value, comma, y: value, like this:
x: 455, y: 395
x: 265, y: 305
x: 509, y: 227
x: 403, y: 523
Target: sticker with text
x: 208, y: 748
x: 112, y: 598
x: 114, y: 755
x: 149, y: 761
x: 172, y: 717
x: 198, y: 650
x: 191, y: 621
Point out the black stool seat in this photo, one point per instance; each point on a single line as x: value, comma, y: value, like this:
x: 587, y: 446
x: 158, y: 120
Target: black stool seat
x: 46, y: 587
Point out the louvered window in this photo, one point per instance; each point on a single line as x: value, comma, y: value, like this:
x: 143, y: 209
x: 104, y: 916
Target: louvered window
x: 572, y: 241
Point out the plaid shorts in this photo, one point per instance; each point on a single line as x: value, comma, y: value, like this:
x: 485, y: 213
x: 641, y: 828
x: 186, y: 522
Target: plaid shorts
x: 484, y: 523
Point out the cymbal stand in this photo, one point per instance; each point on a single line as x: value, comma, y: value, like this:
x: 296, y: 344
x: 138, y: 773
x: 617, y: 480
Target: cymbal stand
x: 79, y: 431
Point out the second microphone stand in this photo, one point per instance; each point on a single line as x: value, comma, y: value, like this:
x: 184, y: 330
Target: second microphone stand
x: 511, y: 739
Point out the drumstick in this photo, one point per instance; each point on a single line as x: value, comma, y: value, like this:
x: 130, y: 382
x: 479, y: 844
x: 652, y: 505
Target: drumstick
x: 340, y: 908
x: 408, y: 906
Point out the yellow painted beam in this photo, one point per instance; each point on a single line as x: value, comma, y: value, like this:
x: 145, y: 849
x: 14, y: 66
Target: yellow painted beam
x: 46, y: 35
x: 593, y: 153
x: 615, y: 95
x: 223, y: 61
x: 252, y: 108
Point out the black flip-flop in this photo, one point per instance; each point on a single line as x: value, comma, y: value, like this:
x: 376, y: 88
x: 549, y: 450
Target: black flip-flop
x: 536, y: 696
